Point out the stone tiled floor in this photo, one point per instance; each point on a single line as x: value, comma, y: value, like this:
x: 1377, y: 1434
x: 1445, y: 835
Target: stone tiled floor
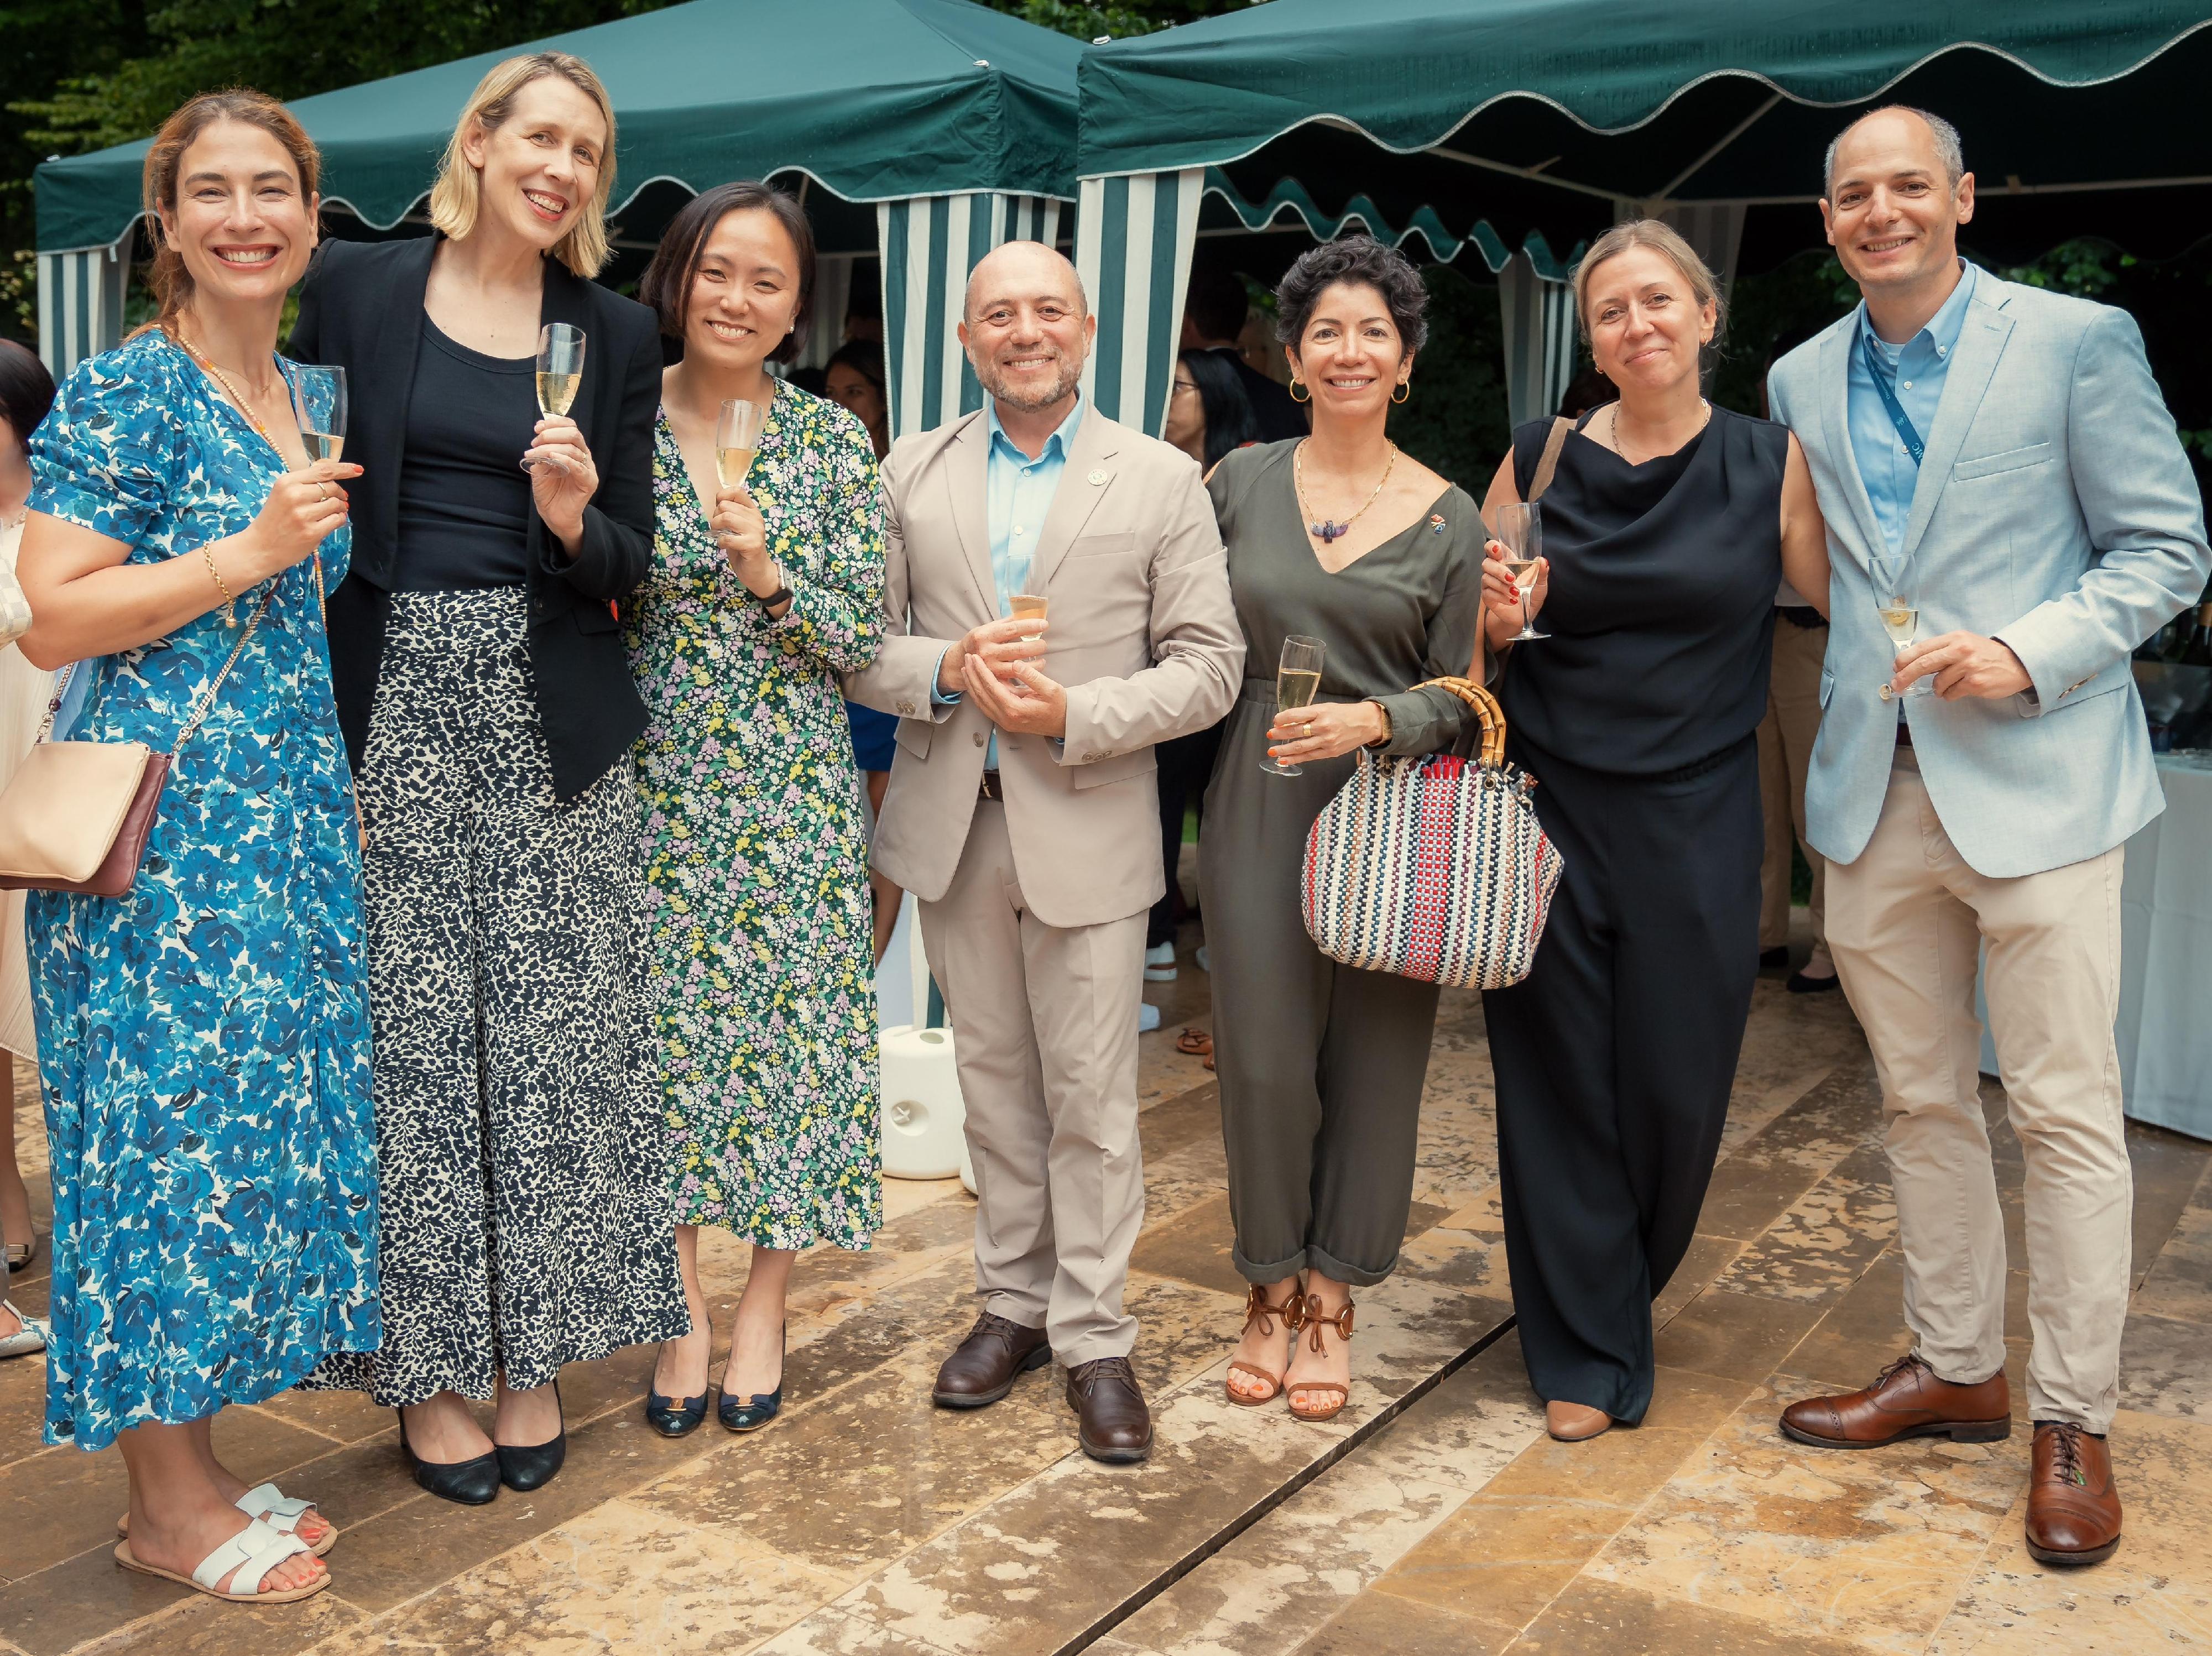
x: 1433, y: 1516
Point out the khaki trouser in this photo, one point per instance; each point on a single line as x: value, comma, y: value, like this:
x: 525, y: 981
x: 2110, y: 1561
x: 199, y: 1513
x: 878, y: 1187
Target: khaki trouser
x: 1904, y: 921
x: 1044, y: 1026
x: 1785, y: 750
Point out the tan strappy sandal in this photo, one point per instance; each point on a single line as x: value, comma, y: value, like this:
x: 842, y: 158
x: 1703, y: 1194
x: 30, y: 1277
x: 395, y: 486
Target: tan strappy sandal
x: 1310, y: 1316
x: 1256, y: 1307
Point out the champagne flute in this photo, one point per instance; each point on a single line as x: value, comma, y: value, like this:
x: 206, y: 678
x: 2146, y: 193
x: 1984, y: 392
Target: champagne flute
x: 1901, y: 619
x: 560, y: 368
x: 737, y: 440
x: 1298, y: 682
x: 319, y: 404
x: 1521, y: 532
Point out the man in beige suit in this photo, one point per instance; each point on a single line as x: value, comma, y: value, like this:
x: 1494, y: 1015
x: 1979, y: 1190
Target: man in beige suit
x: 1023, y: 811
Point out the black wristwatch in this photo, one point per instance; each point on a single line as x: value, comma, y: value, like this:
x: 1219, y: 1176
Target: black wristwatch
x: 782, y: 591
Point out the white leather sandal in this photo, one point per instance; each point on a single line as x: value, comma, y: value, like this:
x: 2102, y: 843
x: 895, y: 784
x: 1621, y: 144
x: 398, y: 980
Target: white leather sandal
x: 266, y: 1501
x: 30, y: 1338
x: 252, y: 1552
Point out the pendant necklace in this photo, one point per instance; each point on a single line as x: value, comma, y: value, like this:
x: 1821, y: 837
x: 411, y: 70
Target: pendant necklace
x: 230, y: 605
x: 1327, y: 531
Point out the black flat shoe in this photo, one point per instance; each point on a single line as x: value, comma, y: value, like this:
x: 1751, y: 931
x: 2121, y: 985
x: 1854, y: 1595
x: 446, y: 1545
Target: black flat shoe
x: 675, y: 1416
x: 469, y: 1483
x: 1798, y: 984
x: 756, y: 1411
x: 532, y: 1466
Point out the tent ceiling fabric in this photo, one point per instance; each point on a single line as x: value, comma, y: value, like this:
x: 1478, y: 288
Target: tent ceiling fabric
x: 1415, y: 74
x: 876, y: 98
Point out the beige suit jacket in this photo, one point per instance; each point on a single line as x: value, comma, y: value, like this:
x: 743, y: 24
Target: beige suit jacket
x: 1142, y: 633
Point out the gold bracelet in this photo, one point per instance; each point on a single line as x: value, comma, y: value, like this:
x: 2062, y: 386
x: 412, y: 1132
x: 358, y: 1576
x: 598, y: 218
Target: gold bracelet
x: 229, y: 600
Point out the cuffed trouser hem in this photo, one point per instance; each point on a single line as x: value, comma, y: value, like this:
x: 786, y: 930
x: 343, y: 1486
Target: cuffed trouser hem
x: 1267, y: 1276
x: 1320, y: 1259
x: 1956, y: 1374
x: 1311, y: 1258
x: 1026, y: 1315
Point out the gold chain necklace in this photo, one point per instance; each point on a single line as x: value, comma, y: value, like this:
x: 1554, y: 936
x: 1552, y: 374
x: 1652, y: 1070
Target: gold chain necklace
x: 1325, y: 529
x: 230, y: 612
x: 1621, y: 449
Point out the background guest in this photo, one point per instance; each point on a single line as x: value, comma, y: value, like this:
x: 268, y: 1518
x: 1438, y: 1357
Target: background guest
x: 856, y: 380
x: 1214, y: 312
x: 1208, y: 416
x: 1667, y: 525
x: 762, y: 975
x: 1341, y: 537
x: 489, y: 711
x: 27, y: 391
x: 1786, y: 736
x: 207, y: 1080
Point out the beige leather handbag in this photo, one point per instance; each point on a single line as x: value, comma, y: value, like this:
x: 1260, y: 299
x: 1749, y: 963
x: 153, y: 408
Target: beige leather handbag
x: 76, y: 814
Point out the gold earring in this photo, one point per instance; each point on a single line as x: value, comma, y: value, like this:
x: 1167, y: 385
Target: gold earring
x: 1405, y: 390
x: 1296, y: 385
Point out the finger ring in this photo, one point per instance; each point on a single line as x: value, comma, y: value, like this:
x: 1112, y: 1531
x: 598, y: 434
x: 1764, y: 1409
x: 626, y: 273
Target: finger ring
x: 326, y: 488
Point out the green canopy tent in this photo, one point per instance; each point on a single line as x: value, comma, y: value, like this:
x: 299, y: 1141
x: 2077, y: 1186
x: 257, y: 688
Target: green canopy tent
x: 954, y: 122
x: 1517, y: 127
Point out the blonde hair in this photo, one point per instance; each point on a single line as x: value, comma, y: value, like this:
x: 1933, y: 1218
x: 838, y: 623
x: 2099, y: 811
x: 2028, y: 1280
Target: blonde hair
x: 1661, y: 239
x: 458, y: 193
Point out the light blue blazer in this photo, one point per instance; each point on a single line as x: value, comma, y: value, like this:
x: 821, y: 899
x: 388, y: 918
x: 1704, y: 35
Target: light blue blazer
x: 2055, y: 511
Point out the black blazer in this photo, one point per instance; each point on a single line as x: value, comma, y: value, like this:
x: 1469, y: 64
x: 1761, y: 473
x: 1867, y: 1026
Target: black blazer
x: 361, y: 309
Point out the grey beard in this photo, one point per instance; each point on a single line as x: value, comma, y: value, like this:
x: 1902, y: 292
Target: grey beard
x: 1070, y: 376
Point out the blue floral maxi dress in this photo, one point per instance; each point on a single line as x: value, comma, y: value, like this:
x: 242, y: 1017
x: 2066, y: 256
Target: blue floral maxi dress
x: 204, y: 1039
x: 761, y: 946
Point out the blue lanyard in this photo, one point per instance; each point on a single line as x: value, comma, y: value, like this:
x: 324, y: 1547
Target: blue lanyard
x: 1898, y: 417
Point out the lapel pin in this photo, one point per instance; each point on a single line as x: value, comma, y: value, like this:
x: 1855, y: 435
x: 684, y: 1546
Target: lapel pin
x: 1436, y: 523
x: 1098, y: 476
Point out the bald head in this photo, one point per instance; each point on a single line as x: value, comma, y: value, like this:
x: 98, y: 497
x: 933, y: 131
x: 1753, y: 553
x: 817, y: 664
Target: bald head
x: 1015, y: 271
x: 1891, y: 128
x: 1027, y: 327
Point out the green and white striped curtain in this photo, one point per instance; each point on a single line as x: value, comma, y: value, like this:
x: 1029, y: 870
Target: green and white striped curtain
x: 1538, y: 315
x: 930, y: 244
x: 1133, y: 239
x: 81, y: 302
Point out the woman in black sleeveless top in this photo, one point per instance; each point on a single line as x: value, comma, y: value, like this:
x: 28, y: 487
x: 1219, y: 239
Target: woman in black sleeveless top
x: 1667, y: 524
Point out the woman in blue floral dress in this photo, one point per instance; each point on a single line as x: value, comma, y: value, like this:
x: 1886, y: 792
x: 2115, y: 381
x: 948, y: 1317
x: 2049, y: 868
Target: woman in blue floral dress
x: 755, y: 852
x: 204, y: 1038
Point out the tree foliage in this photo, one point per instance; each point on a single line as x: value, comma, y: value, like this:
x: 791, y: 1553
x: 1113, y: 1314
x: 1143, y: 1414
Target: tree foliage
x: 82, y: 75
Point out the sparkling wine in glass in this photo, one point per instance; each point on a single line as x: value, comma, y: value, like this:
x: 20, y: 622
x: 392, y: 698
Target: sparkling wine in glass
x: 560, y: 367
x: 737, y: 440
x: 1298, y: 682
x: 1520, y: 531
x: 318, y: 405
x: 1901, y: 619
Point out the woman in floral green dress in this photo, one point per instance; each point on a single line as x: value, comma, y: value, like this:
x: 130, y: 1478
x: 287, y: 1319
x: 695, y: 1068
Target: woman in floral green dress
x: 755, y: 853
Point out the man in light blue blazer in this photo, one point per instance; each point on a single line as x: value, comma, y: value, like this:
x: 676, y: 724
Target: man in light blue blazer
x: 1997, y: 457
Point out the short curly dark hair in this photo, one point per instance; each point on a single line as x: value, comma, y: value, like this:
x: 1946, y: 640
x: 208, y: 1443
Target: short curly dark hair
x: 1361, y: 261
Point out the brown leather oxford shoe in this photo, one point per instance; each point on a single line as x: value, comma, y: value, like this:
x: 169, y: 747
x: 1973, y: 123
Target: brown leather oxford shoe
x: 1906, y: 1400
x: 1113, y: 1424
x: 2072, y: 1509
x: 984, y: 1367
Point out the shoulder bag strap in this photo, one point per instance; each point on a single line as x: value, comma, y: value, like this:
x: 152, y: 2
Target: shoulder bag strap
x: 207, y: 698
x: 1548, y: 462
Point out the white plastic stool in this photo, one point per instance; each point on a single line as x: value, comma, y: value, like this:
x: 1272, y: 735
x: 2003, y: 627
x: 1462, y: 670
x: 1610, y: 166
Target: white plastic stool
x: 924, y: 1115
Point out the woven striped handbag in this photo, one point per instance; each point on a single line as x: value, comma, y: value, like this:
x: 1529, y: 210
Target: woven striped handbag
x: 1433, y: 867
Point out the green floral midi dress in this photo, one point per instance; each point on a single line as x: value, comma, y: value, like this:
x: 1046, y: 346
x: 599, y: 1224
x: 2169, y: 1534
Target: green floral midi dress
x: 755, y: 853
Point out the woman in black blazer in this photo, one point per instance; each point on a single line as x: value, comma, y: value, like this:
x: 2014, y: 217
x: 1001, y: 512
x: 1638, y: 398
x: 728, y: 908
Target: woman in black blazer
x: 488, y: 706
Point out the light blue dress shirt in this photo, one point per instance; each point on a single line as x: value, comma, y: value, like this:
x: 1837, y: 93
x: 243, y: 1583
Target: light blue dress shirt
x: 1917, y: 370
x: 1017, y: 493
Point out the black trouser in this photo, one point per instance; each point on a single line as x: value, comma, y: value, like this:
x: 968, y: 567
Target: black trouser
x: 1186, y: 764
x: 1614, y: 1058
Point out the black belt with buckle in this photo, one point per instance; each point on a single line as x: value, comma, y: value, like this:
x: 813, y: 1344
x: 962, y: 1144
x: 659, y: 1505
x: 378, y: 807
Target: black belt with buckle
x: 991, y: 788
